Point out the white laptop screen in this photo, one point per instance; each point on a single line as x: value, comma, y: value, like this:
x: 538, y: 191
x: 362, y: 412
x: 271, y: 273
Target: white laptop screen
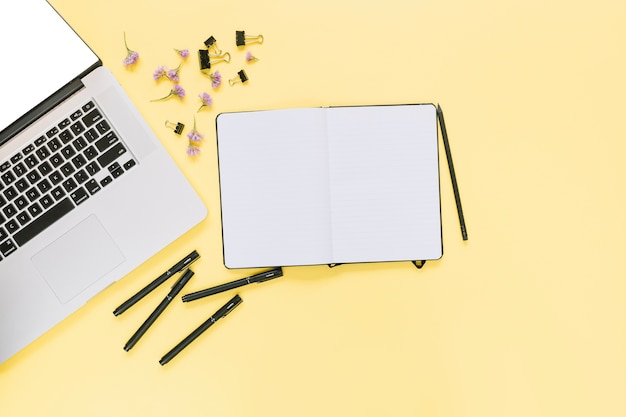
x: 40, y: 54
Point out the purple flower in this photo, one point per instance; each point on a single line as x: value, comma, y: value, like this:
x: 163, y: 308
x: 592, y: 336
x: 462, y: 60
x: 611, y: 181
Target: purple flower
x: 176, y: 90
x: 207, y: 100
x: 192, y: 150
x: 160, y: 72
x: 184, y: 53
x: 216, y: 79
x: 173, y: 75
x: 195, y: 136
x: 131, y: 56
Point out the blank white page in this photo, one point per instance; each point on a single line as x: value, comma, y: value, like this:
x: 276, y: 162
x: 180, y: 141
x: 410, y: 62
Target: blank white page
x: 384, y: 181
x: 273, y: 169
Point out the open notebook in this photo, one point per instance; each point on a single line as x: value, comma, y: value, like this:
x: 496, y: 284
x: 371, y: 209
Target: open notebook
x: 331, y: 185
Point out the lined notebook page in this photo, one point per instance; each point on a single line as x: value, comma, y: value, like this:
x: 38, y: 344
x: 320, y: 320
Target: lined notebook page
x: 273, y: 169
x: 384, y: 182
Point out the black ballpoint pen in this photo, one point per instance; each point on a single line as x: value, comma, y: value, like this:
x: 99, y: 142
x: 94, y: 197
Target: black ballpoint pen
x: 222, y: 312
x: 176, y: 288
x: 455, y: 186
x: 182, y: 264
x: 262, y: 277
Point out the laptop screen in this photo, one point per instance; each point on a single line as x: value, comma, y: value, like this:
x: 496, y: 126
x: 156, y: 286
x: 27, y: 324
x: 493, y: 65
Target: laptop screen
x: 40, y: 54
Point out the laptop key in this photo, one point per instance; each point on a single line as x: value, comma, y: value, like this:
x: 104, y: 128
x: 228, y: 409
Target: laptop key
x: 19, y: 169
x: 8, y: 177
x: 33, y: 194
x: 92, y: 186
x: 69, y: 185
x: 76, y: 115
x: 92, y: 117
x: 128, y: 165
x: 12, y: 226
x: 31, y: 161
x: 28, y: 149
x: 88, y: 106
x: 116, y: 170
x: 44, y: 185
x: 22, y: 184
x: 77, y: 128
x: 43, y: 153
x: 80, y: 144
x: 90, y: 153
x: 64, y: 123
x: 56, y: 160
x: 33, y: 176
x: 79, y: 161
x: 79, y: 195
x: 68, y: 151
x: 91, y: 135
x: 7, y: 247
x: 4, y: 166
x: 45, y: 168
x: 23, y: 218
x: 103, y: 127
x: 10, y: 193
x: 46, y: 201
x: 56, y: 177
x: 43, y: 221
x: 52, y: 132
x: 111, y: 155
x: 54, y: 145
x: 3, y: 234
x: 66, y: 136
x: 81, y: 176
x: 108, y: 140
x: 35, y: 210
x: 92, y: 168
x: 67, y: 169
x: 57, y: 193
x: 21, y: 202
x: 106, y: 181
x: 9, y: 211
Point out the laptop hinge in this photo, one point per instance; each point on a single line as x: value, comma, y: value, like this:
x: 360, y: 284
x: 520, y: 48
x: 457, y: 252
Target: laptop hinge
x: 45, y: 106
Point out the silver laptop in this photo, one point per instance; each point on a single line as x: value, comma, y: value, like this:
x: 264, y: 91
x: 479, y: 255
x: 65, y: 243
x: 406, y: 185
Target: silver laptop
x: 87, y: 192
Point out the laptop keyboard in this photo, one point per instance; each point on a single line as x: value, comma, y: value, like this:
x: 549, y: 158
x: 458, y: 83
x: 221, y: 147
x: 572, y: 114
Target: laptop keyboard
x: 56, y: 172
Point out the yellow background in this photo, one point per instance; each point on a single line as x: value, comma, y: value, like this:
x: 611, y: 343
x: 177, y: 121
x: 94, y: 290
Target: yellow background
x: 527, y: 318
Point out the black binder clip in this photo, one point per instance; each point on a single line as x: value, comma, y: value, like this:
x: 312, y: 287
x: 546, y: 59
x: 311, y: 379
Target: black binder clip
x: 207, y: 59
x: 241, y: 39
x: 418, y: 264
x: 333, y: 265
x: 177, y: 128
x: 240, y: 78
x: 211, y: 44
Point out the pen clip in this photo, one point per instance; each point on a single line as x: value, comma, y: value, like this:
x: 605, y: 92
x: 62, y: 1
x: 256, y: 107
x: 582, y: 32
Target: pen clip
x: 230, y: 306
x: 180, y: 282
x: 266, y: 276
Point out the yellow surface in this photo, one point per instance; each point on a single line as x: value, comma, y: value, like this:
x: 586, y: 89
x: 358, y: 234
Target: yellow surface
x: 527, y: 318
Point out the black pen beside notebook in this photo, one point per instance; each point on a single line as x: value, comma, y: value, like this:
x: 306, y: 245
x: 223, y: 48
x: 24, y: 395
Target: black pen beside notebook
x: 257, y: 278
x: 225, y: 310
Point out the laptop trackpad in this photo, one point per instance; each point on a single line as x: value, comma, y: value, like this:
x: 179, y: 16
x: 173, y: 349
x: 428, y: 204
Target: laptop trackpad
x: 78, y: 258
